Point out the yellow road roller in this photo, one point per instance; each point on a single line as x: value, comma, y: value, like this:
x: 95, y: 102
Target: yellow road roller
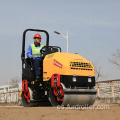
x: 67, y: 79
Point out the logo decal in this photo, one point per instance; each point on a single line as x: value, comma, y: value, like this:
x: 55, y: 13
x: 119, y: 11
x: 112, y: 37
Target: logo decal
x: 57, y: 64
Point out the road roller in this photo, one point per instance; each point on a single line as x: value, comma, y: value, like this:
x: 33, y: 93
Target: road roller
x: 67, y: 79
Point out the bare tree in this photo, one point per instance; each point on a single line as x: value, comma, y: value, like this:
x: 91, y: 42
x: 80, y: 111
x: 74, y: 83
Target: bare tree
x: 14, y: 81
x: 98, y: 73
x: 116, y: 58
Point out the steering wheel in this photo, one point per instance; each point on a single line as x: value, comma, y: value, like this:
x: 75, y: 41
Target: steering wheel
x: 49, y: 49
x: 43, y: 50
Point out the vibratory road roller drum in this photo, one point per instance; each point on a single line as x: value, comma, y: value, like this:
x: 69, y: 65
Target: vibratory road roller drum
x: 66, y: 78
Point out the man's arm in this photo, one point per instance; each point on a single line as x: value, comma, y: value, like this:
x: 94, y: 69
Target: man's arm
x: 29, y: 52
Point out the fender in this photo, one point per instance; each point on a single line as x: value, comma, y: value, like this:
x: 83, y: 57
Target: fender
x: 57, y: 87
x: 25, y: 90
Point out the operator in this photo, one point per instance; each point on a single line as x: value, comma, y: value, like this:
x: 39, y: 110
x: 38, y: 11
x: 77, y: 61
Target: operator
x: 34, y: 54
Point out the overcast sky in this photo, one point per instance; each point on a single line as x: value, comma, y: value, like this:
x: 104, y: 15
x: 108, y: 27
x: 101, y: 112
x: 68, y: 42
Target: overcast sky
x: 93, y: 26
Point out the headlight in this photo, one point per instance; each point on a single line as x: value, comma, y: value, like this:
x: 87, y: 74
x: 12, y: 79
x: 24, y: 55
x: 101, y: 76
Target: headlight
x: 74, y: 79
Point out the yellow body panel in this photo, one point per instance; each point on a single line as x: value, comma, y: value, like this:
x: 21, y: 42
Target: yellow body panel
x: 66, y: 64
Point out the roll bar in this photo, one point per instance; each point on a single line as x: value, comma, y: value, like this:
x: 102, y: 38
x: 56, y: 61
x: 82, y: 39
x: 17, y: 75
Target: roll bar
x: 24, y: 35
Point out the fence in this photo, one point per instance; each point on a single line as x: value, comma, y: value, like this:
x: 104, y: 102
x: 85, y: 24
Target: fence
x: 9, y: 94
x: 108, y: 90
x: 9, y: 97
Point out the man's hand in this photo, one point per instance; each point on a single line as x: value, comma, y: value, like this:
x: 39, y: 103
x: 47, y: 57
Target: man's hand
x: 31, y: 57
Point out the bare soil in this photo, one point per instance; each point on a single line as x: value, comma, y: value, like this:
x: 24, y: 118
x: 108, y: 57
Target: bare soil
x: 111, y: 112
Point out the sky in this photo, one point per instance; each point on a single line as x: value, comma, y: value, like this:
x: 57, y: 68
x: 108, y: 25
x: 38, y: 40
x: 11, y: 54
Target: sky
x: 93, y: 31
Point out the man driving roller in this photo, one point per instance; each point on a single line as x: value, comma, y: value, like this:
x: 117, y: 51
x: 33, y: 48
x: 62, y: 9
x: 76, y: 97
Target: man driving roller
x: 33, y: 53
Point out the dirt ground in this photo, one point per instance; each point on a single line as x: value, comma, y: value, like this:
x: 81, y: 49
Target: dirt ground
x: 100, y: 112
